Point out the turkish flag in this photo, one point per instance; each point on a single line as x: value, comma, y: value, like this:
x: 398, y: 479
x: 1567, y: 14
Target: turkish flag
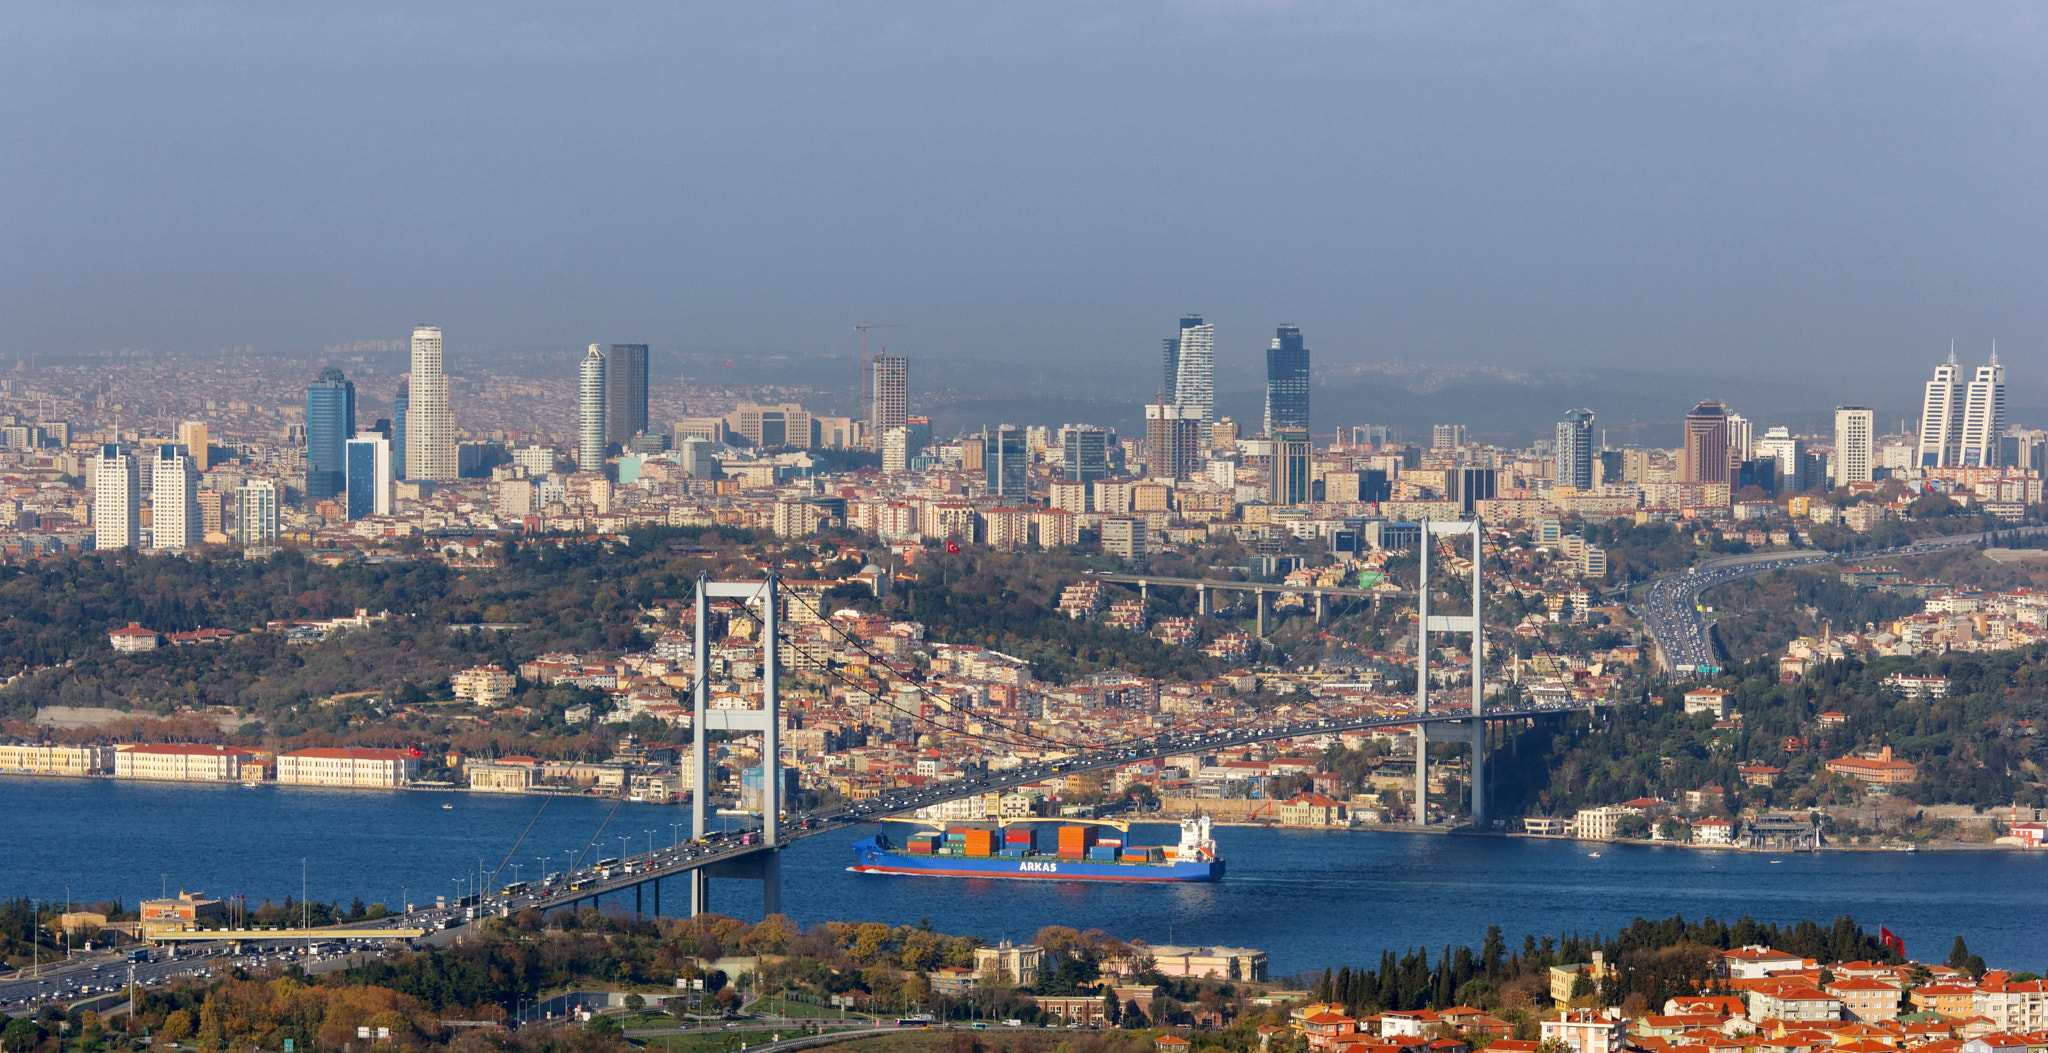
x: 952, y: 548
x: 1890, y: 941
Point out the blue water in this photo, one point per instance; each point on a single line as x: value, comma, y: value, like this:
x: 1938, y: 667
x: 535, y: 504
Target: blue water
x: 1308, y: 898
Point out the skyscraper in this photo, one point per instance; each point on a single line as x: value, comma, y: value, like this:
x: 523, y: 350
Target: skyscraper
x: 192, y: 436
x: 1292, y: 464
x: 1084, y: 453
x: 1706, y: 444
x: 256, y: 512
x: 1855, y: 453
x: 330, y: 424
x: 590, y: 392
x: 1941, y: 417
x: 1169, y: 391
x: 625, y: 400
x: 400, y: 404
x: 174, y: 501
x: 429, y: 421
x: 1575, y: 453
x: 1788, y: 452
x: 1287, y: 379
x: 1194, y: 384
x: 1006, y: 460
x: 369, y: 477
x: 1173, y: 442
x: 116, y: 499
x: 1984, y: 415
x: 890, y: 390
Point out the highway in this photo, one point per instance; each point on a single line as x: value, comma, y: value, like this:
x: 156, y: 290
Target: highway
x: 1670, y: 609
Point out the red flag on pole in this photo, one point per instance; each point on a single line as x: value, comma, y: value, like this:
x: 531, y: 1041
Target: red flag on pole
x: 952, y: 548
x: 1890, y: 941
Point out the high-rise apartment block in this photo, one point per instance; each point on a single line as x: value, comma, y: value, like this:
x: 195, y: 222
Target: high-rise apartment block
x: 1575, y: 453
x: 256, y: 512
x: 889, y: 392
x: 330, y: 424
x: 896, y: 450
x: 1084, y: 453
x: 369, y: 477
x: 429, y: 420
x: 1447, y: 437
x: 192, y: 436
x: 174, y: 501
x: 1169, y: 385
x: 212, y: 513
x: 1006, y: 461
x: 116, y: 499
x: 1173, y: 442
x: 1287, y: 382
x: 625, y: 401
x: 1855, y: 452
x: 1705, y: 449
x: 590, y: 393
x: 1194, y: 383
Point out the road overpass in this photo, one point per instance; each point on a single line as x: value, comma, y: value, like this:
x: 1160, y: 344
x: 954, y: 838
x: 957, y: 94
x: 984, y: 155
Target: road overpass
x: 1263, y: 590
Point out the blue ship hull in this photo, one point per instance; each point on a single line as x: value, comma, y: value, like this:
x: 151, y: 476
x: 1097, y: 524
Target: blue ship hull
x: 871, y: 858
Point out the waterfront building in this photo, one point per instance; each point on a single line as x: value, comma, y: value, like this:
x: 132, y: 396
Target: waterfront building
x: 181, y: 762
x: 369, y: 477
x: 174, y: 501
x: 1855, y: 452
x: 429, y: 421
x: 625, y: 400
x: 350, y: 766
x: 590, y: 409
x: 1016, y: 964
x: 1575, y: 453
x: 190, y: 907
x: 1287, y: 382
x: 256, y: 512
x: 42, y: 758
x: 330, y: 424
x: 116, y: 499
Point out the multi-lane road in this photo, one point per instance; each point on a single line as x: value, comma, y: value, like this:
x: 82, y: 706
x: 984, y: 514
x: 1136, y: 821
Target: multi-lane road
x: 1670, y: 608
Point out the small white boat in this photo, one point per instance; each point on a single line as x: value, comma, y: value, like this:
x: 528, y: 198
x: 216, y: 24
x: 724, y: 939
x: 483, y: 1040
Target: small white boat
x: 251, y: 785
x: 450, y: 807
x: 1593, y: 855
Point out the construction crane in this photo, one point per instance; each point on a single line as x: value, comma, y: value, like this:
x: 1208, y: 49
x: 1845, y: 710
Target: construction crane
x: 866, y: 379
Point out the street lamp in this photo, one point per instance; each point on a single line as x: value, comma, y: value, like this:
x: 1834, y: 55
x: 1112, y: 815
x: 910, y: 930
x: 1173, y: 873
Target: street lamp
x: 516, y: 868
x: 650, y: 842
x: 676, y: 830
x: 543, y: 861
x: 404, y: 906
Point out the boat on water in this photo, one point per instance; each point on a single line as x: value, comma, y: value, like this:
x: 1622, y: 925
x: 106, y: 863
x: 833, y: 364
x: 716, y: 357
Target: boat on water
x: 252, y: 785
x: 450, y: 807
x: 1013, y: 849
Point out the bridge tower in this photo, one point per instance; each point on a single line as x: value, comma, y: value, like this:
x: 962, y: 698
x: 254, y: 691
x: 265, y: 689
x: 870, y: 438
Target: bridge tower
x: 1427, y: 623
x: 764, y: 866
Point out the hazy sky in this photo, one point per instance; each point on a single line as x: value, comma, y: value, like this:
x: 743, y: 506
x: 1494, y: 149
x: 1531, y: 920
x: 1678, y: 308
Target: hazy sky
x: 1788, y: 186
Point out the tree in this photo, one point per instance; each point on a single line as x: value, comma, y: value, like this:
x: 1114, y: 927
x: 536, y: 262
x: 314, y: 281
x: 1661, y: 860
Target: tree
x: 21, y: 1036
x: 1112, y: 1010
x: 177, y: 1026
x: 1959, y: 955
x: 635, y: 1003
x: 603, y: 1026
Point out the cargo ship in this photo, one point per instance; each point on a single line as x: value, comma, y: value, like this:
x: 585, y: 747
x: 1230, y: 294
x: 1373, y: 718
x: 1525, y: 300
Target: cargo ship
x: 1014, y: 849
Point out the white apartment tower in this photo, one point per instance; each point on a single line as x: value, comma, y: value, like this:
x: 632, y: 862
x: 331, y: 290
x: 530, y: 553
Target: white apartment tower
x: 429, y: 422
x: 1855, y: 452
x: 1575, y: 452
x: 1941, y: 417
x: 1194, y: 387
x: 590, y: 412
x: 1984, y: 415
x: 256, y: 512
x: 116, y: 499
x: 174, y: 500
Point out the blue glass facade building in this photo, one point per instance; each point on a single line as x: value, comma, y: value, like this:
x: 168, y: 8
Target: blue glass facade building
x: 330, y: 424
